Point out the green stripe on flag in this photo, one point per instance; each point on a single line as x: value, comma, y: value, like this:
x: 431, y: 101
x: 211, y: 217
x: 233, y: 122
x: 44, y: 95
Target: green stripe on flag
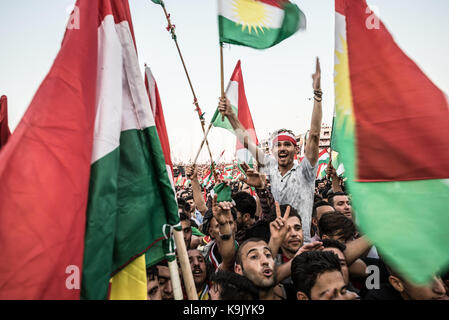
x: 234, y: 33
x: 130, y: 199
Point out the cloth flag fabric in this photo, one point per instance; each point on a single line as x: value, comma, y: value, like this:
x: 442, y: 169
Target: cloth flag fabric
x: 235, y: 92
x: 258, y: 24
x: 323, y: 161
x: 131, y: 199
x: 84, y: 186
x: 4, y: 128
x: 390, y: 119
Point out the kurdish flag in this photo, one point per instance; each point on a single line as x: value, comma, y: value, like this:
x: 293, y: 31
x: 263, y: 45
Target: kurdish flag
x: 323, y: 161
x: 390, y: 119
x: 84, y: 184
x: 235, y: 92
x: 4, y: 128
x: 258, y: 24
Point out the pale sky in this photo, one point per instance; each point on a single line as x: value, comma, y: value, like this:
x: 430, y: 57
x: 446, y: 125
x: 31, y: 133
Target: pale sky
x: 277, y: 80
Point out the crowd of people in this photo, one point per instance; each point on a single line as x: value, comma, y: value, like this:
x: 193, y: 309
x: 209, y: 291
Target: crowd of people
x: 283, y: 234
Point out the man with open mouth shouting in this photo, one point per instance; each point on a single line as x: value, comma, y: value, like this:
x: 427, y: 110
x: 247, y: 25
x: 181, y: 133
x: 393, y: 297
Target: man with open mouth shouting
x: 291, y: 183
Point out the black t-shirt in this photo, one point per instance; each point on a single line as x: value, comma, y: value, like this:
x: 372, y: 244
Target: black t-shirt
x: 386, y: 292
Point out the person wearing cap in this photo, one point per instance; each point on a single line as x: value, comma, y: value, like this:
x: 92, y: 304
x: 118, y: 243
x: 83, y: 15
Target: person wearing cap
x: 291, y: 183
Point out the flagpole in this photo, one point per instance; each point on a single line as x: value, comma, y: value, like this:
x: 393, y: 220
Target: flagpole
x: 185, y: 265
x: 175, y: 280
x: 222, y: 76
x: 171, y: 29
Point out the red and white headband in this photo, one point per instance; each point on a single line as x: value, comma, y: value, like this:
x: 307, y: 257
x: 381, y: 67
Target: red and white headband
x: 284, y: 136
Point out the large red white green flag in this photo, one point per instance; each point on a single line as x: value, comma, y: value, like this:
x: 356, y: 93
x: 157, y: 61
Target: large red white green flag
x: 84, y: 184
x: 258, y: 24
x: 235, y: 92
x: 391, y: 130
x: 4, y: 128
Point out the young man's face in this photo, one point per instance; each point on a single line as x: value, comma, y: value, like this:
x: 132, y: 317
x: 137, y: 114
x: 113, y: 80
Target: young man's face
x: 192, y: 205
x: 342, y: 204
x: 153, y: 290
x: 434, y: 291
x: 295, y: 236
x: 165, y: 283
x: 329, y: 286
x: 198, y: 266
x: 344, y: 266
x: 187, y: 232
x: 257, y: 264
x: 284, y: 152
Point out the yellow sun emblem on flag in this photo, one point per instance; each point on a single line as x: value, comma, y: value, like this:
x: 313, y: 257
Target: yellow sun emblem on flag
x: 251, y: 14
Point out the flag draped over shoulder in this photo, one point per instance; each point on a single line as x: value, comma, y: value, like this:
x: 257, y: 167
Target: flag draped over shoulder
x: 235, y: 92
x: 4, y: 128
x: 390, y: 121
x: 258, y: 24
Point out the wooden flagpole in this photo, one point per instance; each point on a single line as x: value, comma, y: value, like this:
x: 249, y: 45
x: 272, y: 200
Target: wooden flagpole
x: 171, y: 29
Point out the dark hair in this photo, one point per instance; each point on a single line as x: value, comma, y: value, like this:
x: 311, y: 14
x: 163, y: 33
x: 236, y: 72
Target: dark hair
x: 152, y: 272
x: 318, y: 204
x: 189, y: 197
x: 339, y: 193
x: 329, y: 243
x: 245, y: 203
x: 234, y: 286
x: 183, y: 204
x: 336, y: 223
x: 183, y: 217
x: 206, y: 222
x: 283, y: 207
x: 238, y: 256
x: 307, y: 266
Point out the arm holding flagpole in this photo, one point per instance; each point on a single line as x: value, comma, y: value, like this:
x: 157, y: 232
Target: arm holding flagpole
x: 313, y: 141
x: 225, y: 108
x: 192, y: 174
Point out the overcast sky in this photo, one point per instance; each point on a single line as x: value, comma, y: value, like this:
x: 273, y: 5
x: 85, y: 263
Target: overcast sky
x: 277, y: 80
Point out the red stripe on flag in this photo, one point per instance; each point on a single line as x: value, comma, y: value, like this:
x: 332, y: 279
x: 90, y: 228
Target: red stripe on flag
x: 44, y: 173
x: 275, y: 3
x: 158, y: 117
x: 244, y: 113
x: 340, y: 6
x: 401, y: 116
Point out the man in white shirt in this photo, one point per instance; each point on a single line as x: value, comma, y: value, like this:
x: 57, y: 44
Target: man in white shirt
x: 291, y: 183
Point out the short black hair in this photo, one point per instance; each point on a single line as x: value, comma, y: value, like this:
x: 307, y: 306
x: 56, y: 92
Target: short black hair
x: 206, y: 222
x: 183, y: 217
x: 336, y: 223
x: 238, y: 255
x: 283, y: 207
x: 318, y: 204
x: 329, y: 243
x: 339, y: 193
x: 183, y: 204
x: 152, y: 272
x: 234, y: 286
x: 307, y: 266
x: 245, y: 203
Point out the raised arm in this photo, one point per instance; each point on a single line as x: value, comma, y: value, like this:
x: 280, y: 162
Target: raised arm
x: 192, y: 174
x: 245, y: 139
x: 313, y: 141
x: 225, y: 240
